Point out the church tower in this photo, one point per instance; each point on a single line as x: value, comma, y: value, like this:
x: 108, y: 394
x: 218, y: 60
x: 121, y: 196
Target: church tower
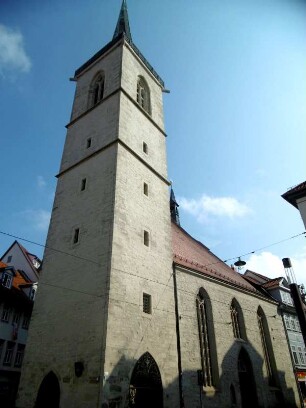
x: 103, y: 326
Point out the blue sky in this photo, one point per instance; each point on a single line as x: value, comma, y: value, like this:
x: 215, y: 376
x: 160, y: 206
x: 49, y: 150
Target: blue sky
x: 235, y: 117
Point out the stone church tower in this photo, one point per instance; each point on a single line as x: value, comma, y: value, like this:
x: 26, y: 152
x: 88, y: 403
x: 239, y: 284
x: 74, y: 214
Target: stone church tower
x: 105, y: 300
x: 131, y: 311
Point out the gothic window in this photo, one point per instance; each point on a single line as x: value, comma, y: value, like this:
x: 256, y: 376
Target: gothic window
x: 143, y: 95
x: 237, y: 320
x: 207, y: 339
x: 267, y: 346
x: 96, y: 90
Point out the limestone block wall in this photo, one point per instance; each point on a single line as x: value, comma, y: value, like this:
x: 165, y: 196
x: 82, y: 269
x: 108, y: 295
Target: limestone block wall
x: 101, y: 132
x: 132, y: 67
x: 227, y: 346
x: 110, y: 64
x: 138, y: 269
x: 69, y: 317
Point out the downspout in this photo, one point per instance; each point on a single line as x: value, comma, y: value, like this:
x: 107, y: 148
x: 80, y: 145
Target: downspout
x: 178, y: 339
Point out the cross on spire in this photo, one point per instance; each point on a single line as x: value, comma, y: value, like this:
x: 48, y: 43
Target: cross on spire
x: 123, y: 26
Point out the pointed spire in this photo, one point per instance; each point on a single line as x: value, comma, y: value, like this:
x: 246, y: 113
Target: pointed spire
x: 123, y: 26
x: 174, y: 208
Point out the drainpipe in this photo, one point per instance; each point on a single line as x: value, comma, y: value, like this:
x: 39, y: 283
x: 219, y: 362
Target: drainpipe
x: 178, y: 339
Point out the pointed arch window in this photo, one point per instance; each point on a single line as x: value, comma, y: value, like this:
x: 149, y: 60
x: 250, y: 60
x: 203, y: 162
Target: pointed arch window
x: 207, y: 339
x: 237, y: 320
x: 267, y: 346
x: 97, y: 89
x: 143, y: 95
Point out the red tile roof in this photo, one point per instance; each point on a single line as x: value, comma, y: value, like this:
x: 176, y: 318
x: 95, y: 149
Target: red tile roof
x: 192, y: 254
x: 294, y: 193
x: 272, y: 282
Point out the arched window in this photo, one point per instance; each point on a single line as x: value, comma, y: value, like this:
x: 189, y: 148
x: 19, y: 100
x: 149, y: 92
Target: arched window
x: 237, y: 320
x: 143, y: 95
x: 96, y: 90
x: 267, y: 346
x: 207, y: 339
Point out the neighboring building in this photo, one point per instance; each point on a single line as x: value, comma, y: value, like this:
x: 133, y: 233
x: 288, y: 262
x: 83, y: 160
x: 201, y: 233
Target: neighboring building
x: 279, y: 290
x: 22, y: 260
x: 134, y: 312
x: 297, y: 197
x: 17, y: 294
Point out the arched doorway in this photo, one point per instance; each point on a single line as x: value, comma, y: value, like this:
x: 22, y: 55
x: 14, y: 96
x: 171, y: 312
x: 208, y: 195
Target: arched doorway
x: 246, y: 381
x: 49, y: 392
x: 146, y: 390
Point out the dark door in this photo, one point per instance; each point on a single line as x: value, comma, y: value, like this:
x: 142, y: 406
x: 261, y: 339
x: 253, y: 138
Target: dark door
x: 49, y: 392
x: 146, y: 389
x: 246, y: 381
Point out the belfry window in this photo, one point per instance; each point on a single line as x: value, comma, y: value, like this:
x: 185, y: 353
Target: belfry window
x: 207, y: 340
x: 143, y: 95
x: 97, y: 90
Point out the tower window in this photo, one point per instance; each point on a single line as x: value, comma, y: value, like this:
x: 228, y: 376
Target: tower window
x: 83, y: 184
x: 143, y: 95
x: 76, y: 235
x: 96, y: 90
x: 88, y: 143
x: 145, y: 148
x: 146, y: 238
x: 146, y: 303
x: 145, y: 189
x: 9, y: 258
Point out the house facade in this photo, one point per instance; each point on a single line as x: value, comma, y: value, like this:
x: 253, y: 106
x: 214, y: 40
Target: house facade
x: 17, y: 294
x: 134, y: 312
x: 279, y: 290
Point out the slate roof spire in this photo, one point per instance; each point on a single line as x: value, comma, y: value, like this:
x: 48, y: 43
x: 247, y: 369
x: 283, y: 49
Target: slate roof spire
x: 123, y: 26
x: 175, y: 217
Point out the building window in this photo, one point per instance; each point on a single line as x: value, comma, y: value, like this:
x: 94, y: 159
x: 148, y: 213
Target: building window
x: 8, y: 353
x: 88, y: 143
x: 26, y: 322
x: 143, y: 95
x: 6, y: 313
x: 267, y: 346
x: 32, y: 294
x: 146, y: 303
x: 1, y: 348
x: 146, y: 238
x: 83, y: 184
x: 16, y: 318
x: 97, y: 90
x: 7, y: 280
x: 145, y: 148
x: 235, y: 320
x: 9, y: 258
x: 19, y: 355
x: 76, y: 235
x: 207, y: 339
x: 295, y: 356
x: 145, y: 189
